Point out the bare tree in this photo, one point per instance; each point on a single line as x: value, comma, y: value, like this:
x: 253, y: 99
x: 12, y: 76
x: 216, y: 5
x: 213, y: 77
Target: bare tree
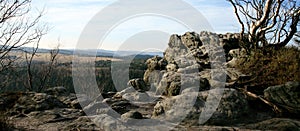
x: 267, y: 23
x: 29, y: 60
x: 39, y: 73
x: 17, y: 29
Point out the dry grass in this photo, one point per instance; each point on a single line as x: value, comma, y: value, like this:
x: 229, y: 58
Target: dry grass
x: 61, y: 58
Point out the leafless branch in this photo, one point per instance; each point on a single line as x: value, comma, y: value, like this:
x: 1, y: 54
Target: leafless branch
x: 17, y: 28
x: 238, y: 17
x: 49, y: 68
x: 268, y: 22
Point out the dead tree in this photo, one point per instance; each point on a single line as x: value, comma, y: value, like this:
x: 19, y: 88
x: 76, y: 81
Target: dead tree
x: 38, y: 74
x: 48, y: 68
x: 267, y: 23
x: 17, y: 29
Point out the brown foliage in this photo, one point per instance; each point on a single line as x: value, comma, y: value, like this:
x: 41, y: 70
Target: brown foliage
x: 269, y: 67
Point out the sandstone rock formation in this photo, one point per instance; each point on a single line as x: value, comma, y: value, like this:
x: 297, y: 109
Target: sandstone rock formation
x: 190, y: 60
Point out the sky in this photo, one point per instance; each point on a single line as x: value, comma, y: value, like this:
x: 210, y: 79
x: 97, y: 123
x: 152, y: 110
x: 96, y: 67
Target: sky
x: 68, y: 18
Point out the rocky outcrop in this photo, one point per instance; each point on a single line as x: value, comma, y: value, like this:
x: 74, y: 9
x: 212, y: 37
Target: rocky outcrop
x: 56, y: 109
x: 195, y: 65
x: 191, y: 60
x: 189, y: 88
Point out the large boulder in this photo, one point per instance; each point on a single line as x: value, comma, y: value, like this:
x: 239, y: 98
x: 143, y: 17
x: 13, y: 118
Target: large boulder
x: 286, y: 95
x: 232, y: 108
x: 173, y: 83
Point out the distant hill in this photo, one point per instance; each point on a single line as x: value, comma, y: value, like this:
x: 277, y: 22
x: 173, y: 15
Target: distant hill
x: 100, y: 53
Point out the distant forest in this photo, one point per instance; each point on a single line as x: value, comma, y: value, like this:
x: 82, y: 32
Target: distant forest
x: 15, y: 79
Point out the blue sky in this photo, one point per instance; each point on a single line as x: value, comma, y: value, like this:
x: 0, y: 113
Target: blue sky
x: 67, y: 19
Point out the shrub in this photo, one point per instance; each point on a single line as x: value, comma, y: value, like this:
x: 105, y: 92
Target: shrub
x: 269, y: 67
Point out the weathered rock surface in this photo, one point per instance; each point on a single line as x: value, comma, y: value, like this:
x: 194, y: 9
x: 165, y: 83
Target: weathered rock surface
x: 132, y: 115
x: 153, y: 74
x: 36, y: 102
x: 138, y: 84
x: 287, y: 95
x: 234, y: 55
x: 119, y: 105
x: 54, y: 110
x: 232, y: 108
x: 173, y: 83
